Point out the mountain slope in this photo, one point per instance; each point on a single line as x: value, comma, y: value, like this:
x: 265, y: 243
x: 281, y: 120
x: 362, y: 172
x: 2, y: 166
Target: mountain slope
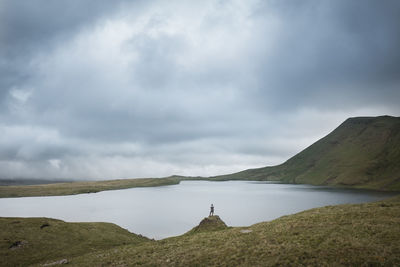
x: 362, y: 152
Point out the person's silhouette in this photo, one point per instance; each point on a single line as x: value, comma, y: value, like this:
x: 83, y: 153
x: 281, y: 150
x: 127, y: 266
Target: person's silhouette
x: 212, y: 210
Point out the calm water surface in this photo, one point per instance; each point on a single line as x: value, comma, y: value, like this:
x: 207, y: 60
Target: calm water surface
x: 160, y: 212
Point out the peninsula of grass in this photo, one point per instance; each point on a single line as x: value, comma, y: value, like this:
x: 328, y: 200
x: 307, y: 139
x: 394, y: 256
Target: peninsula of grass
x: 73, y: 188
x: 344, y: 235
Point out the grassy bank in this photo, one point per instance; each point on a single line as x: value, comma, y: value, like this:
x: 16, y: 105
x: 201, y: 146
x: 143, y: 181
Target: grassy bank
x: 26, y: 241
x: 352, y: 235
x: 74, y: 188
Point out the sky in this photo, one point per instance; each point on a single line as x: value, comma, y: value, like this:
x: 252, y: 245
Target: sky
x: 124, y: 89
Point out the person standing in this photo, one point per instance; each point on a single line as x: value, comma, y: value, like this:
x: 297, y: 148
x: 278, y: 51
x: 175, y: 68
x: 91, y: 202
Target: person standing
x: 212, y: 210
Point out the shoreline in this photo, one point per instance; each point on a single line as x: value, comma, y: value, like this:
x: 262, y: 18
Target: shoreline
x: 87, y: 187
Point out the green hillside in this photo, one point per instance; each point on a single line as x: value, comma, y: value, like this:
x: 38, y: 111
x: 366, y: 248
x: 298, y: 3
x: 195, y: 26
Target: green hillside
x: 362, y: 152
x: 344, y: 235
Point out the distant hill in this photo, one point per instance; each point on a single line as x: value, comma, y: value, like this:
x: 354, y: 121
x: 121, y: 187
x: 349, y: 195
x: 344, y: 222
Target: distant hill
x: 362, y: 152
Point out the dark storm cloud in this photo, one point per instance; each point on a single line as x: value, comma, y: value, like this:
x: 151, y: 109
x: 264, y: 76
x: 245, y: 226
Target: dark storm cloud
x: 106, y: 89
x: 333, y: 51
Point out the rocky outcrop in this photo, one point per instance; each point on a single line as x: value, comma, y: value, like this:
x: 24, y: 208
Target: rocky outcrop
x: 209, y: 224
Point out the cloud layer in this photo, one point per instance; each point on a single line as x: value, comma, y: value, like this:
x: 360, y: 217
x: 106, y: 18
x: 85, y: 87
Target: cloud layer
x: 100, y: 90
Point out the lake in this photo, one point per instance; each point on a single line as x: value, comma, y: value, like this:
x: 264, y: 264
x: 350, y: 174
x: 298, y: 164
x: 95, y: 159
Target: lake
x: 159, y: 212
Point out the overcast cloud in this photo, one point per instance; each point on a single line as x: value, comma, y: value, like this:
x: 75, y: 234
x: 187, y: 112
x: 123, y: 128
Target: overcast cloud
x: 122, y: 89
